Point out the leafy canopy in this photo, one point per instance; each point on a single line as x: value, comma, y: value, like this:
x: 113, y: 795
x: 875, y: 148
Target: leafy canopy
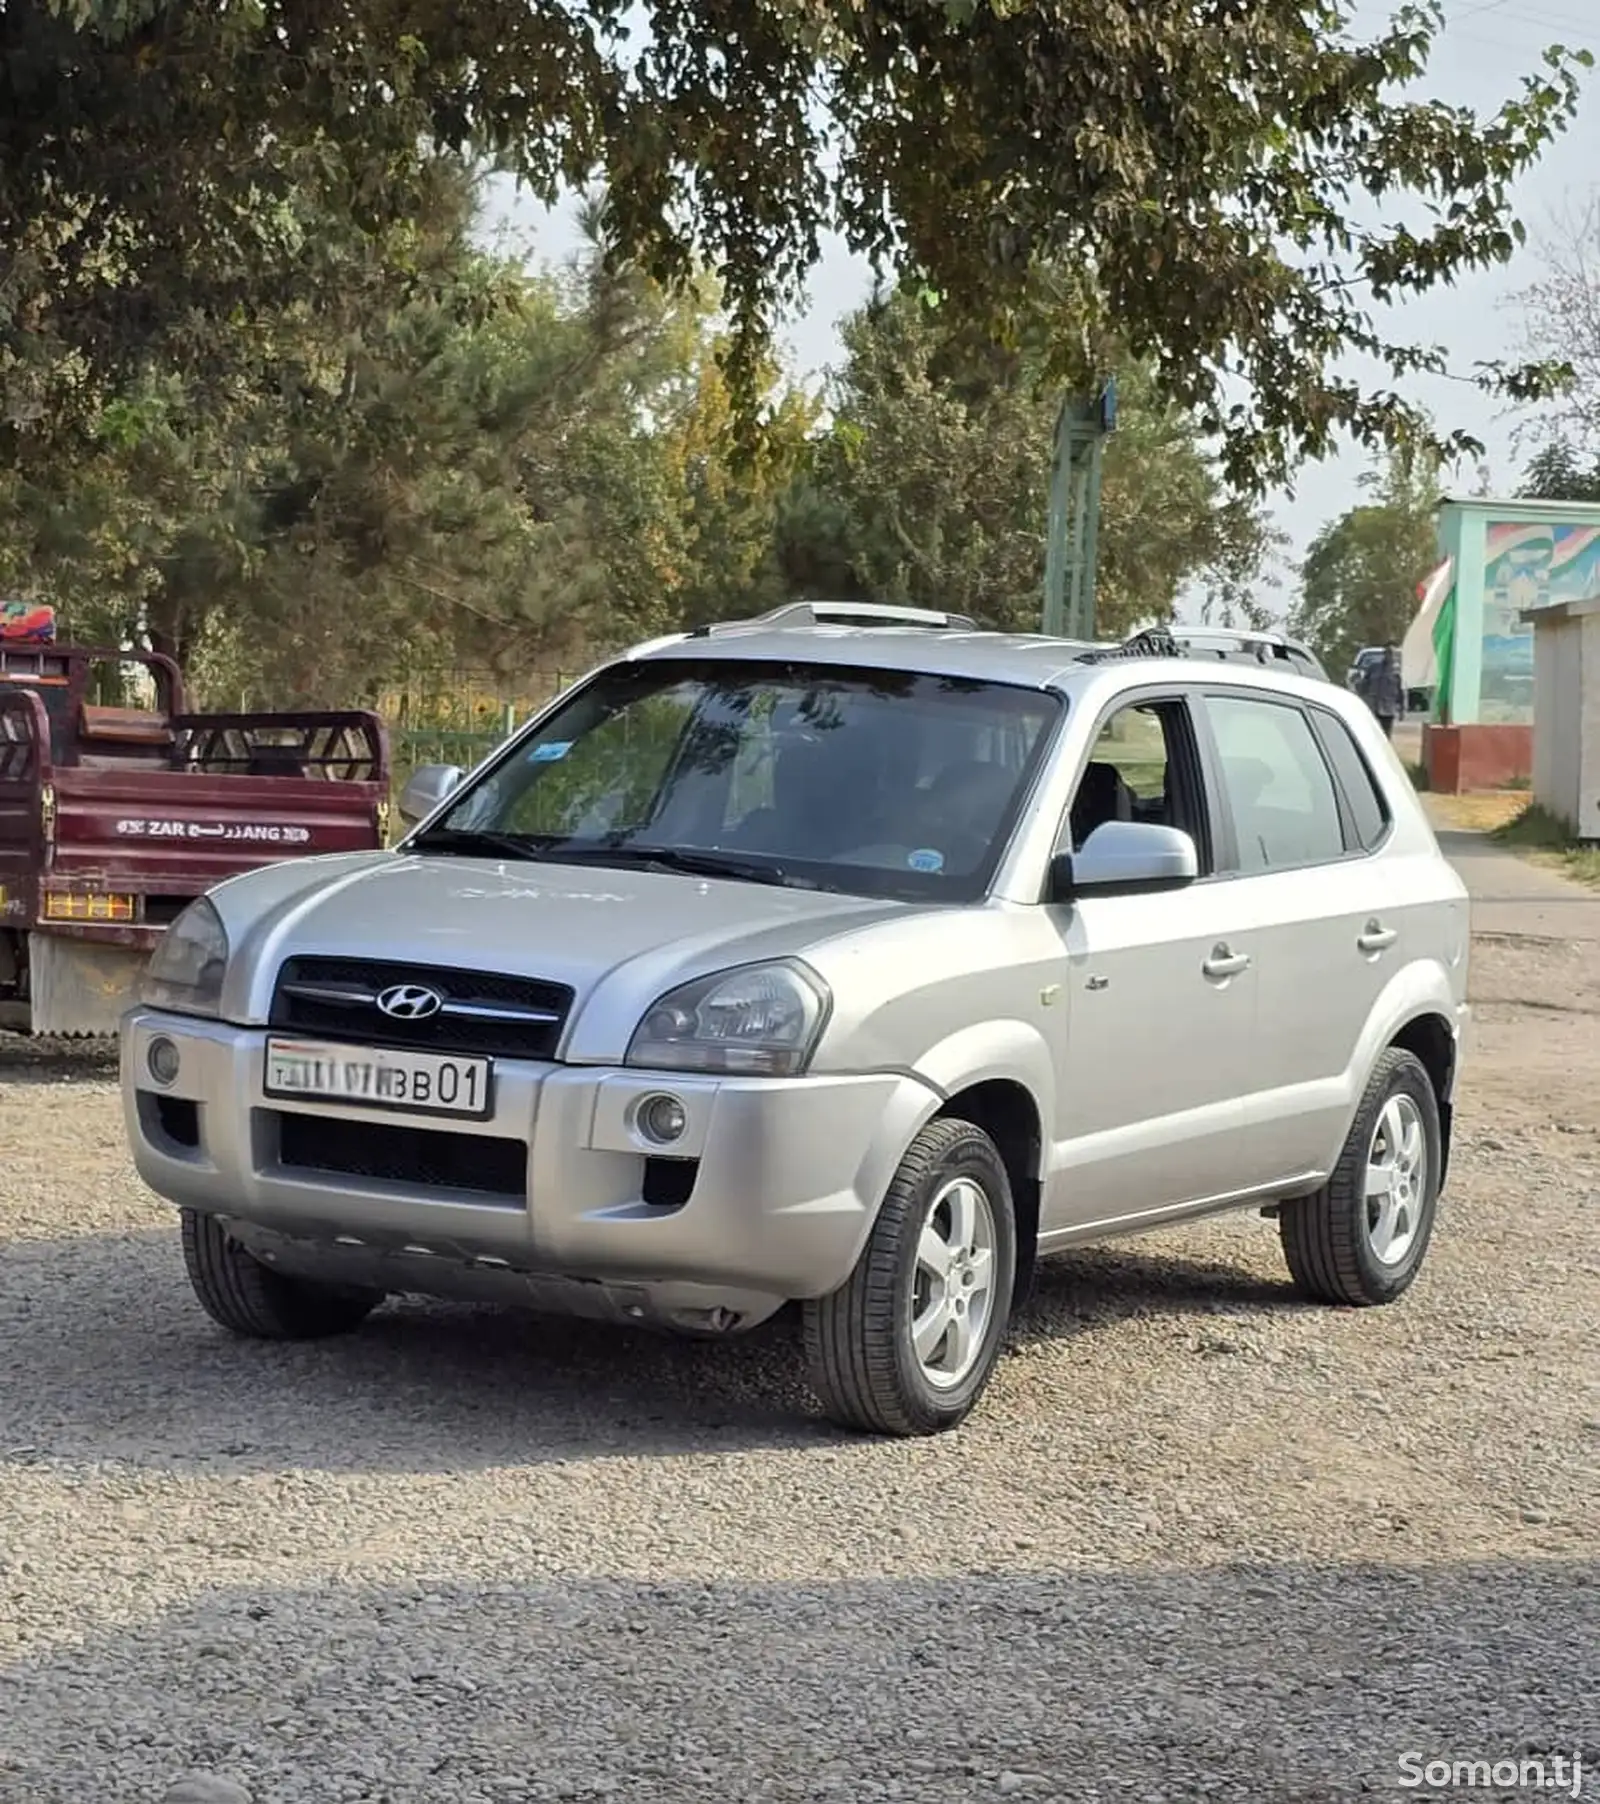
x: 466, y: 464
x: 1360, y: 576
x: 931, y: 487
x: 1559, y: 472
x: 1223, y: 188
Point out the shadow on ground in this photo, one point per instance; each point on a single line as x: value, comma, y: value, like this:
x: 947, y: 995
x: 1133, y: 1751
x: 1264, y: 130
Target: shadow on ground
x: 109, y: 1357
x: 1280, y: 1685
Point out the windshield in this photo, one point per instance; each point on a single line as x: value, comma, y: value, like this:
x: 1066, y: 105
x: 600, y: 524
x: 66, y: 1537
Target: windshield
x: 870, y: 782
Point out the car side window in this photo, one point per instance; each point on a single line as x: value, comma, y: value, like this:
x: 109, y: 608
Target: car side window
x: 1369, y: 812
x: 1279, y: 788
x: 1143, y: 766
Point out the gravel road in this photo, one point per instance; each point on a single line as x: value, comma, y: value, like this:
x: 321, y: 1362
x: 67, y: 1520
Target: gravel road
x: 1201, y: 1541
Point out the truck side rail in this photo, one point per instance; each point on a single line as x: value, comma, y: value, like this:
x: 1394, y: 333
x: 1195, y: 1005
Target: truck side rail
x: 24, y: 738
x: 346, y: 747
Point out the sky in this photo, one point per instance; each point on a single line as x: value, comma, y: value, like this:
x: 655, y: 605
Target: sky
x: 1486, y: 46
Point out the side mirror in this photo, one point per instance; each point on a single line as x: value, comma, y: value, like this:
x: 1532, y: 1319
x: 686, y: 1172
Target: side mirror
x: 1125, y: 857
x: 425, y: 789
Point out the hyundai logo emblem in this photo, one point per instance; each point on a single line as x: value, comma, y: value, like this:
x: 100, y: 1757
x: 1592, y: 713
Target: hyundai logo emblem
x: 410, y: 1002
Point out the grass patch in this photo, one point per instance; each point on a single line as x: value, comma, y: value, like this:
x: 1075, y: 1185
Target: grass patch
x: 1548, y: 840
x: 1485, y: 811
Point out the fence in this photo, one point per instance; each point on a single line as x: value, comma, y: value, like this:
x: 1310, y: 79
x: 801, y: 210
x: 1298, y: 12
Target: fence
x: 460, y: 716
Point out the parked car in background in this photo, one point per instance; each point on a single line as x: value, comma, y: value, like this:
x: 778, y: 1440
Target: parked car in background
x: 1368, y: 658
x: 1243, y: 645
x: 1418, y: 700
x: 846, y: 958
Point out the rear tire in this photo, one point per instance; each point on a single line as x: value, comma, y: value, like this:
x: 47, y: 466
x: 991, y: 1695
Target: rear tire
x: 938, y: 1269
x: 248, y: 1298
x: 1361, y: 1239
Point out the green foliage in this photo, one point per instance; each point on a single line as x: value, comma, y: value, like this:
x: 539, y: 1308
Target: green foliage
x: 1359, y: 579
x: 1537, y: 833
x: 931, y: 486
x: 469, y: 465
x: 1201, y: 178
x: 1559, y: 472
x: 472, y: 465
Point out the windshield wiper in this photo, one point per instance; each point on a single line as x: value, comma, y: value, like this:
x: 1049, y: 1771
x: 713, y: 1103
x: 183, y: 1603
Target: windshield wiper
x: 475, y: 841
x: 689, y: 861
x: 556, y: 849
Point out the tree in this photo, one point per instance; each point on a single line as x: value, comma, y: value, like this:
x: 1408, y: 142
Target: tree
x: 1197, y: 178
x: 733, y: 494
x: 473, y: 465
x: 1359, y: 579
x: 930, y: 487
x: 1559, y: 472
x: 1561, y: 323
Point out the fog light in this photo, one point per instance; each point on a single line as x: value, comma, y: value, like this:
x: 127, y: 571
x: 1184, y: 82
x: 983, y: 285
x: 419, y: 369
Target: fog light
x: 661, y: 1119
x: 163, y: 1061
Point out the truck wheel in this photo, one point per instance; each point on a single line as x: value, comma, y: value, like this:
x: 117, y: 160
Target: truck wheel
x: 908, y: 1343
x: 249, y: 1298
x: 1361, y: 1239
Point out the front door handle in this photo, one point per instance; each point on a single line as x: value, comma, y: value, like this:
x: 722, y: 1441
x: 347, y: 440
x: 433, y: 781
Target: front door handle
x: 1375, y: 937
x: 1225, y: 963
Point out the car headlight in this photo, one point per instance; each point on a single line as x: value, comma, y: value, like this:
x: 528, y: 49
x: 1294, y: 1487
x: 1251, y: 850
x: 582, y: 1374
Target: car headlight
x: 185, y: 974
x: 758, y: 1021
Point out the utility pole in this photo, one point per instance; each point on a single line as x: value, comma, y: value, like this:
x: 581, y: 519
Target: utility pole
x: 1082, y: 427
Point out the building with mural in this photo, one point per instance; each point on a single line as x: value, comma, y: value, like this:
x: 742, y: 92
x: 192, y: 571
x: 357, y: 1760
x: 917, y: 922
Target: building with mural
x: 1500, y: 560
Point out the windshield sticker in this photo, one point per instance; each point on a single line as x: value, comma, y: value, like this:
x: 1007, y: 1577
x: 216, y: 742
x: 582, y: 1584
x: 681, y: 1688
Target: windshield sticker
x: 549, y: 753
x: 926, y: 860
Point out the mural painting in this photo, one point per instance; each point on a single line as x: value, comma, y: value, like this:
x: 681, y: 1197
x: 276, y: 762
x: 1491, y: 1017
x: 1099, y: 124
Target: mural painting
x: 1528, y: 564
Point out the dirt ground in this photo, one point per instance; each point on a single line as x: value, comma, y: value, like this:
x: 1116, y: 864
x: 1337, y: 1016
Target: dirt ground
x: 1202, y: 1541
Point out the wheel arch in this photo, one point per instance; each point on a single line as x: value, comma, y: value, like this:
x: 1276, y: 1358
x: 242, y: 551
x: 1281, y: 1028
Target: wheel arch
x: 1008, y: 1112
x: 1431, y: 1040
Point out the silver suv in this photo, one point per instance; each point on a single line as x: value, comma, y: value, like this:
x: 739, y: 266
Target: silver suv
x: 843, y: 958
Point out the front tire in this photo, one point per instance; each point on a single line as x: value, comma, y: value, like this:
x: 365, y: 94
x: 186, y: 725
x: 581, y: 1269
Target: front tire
x: 248, y: 1298
x: 1361, y: 1239
x: 907, y: 1345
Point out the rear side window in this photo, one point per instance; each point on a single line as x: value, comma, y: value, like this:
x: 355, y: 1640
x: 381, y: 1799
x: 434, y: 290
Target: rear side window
x: 1369, y: 812
x: 1279, y: 788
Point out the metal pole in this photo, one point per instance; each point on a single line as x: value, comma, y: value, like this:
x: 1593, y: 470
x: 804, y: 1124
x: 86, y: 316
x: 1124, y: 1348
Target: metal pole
x: 1088, y: 565
x: 1072, y: 546
x: 1055, y: 559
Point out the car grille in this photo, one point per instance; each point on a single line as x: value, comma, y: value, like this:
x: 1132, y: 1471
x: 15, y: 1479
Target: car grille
x: 435, y: 1159
x: 515, y: 1017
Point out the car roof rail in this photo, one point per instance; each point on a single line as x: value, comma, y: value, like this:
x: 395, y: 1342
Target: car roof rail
x: 845, y: 613
x: 1153, y: 642
x: 1243, y: 635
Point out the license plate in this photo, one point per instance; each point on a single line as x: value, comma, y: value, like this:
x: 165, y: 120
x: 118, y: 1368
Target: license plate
x: 427, y: 1083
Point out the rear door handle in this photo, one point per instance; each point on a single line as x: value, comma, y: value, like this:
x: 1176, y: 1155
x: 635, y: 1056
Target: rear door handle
x: 1225, y: 963
x: 1375, y: 937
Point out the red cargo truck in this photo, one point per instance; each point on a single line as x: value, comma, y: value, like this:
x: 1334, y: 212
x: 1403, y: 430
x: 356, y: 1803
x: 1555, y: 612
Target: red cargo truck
x: 112, y: 818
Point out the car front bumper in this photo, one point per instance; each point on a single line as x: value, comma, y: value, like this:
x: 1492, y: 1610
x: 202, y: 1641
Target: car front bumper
x: 555, y: 1200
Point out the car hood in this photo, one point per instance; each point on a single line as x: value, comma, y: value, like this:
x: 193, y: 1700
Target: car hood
x: 582, y: 925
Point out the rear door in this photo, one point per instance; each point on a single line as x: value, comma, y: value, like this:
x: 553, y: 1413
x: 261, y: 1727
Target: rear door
x: 1296, y: 846
x: 1161, y: 1003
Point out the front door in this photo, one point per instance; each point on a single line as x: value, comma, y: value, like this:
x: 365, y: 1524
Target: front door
x: 1161, y: 998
